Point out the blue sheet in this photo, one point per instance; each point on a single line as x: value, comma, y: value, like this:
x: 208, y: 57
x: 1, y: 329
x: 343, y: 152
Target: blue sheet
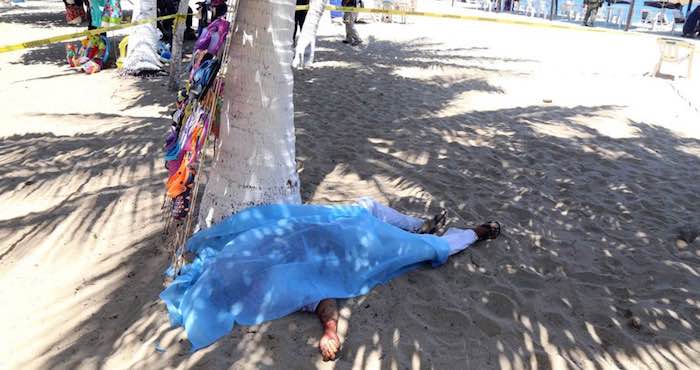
x: 267, y: 262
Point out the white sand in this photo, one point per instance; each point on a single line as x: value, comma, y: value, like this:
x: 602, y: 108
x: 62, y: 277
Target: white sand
x: 591, y: 189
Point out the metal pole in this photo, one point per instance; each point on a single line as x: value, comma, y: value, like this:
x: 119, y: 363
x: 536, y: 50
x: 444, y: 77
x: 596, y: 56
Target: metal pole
x: 629, y: 15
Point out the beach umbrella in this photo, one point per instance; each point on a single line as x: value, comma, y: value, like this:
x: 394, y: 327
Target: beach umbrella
x: 661, y: 4
x: 666, y: 4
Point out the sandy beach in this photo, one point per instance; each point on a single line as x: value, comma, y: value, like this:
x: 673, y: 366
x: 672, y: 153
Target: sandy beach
x: 590, y: 164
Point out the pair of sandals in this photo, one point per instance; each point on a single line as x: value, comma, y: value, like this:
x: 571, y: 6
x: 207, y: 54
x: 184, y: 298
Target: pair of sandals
x: 438, y: 222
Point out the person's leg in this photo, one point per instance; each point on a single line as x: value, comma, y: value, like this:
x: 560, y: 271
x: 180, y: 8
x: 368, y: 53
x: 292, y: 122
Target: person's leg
x: 390, y: 215
x: 299, y: 18
x: 167, y: 31
x: 347, y: 19
x: 354, y: 35
x: 594, y: 12
x: 69, y: 13
x: 188, y: 19
x: 302, y: 18
x: 402, y: 221
x: 460, y: 239
x: 296, y: 25
x: 329, y: 345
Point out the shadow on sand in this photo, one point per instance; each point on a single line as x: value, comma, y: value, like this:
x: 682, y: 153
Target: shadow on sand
x: 511, y: 324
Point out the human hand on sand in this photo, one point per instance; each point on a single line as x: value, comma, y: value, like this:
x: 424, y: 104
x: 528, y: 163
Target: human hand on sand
x: 329, y: 345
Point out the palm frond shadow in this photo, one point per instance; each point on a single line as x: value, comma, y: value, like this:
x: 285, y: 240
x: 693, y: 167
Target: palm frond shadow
x: 517, y: 162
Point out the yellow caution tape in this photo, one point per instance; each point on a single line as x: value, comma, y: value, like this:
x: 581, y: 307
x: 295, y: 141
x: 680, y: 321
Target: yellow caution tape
x: 51, y: 40
x: 464, y: 17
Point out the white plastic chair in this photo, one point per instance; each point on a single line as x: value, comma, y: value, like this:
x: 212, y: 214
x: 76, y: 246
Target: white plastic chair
x: 678, y: 18
x: 530, y: 8
x: 601, y: 15
x: 568, y: 10
x: 621, y: 17
x: 402, y: 5
x: 658, y: 18
x: 542, y: 8
x: 608, y: 15
x: 669, y: 52
x: 472, y: 4
x: 644, y: 17
x: 616, y: 17
x: 387, y: 5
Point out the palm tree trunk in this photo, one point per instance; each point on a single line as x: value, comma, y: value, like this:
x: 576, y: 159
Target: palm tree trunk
x: 255, y: 156
x: 141, y: 55
x: 178, y: 40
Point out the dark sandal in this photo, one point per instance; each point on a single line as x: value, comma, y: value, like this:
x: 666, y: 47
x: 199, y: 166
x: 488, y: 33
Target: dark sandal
x: 181, y: 203
x: 435, y: 224
x: 494, y: 230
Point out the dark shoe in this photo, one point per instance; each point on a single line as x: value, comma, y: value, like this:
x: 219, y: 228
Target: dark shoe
x: 346, y: 42
x: 190, y: 35
x: 492, y: 228
x: 434, y: 225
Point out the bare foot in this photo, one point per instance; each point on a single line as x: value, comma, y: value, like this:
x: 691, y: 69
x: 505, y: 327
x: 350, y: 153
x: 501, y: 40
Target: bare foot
x: 329, y: 345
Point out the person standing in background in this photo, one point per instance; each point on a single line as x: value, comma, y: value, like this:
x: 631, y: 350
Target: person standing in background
x: 111, y: 13
x: 691, y: 28
x: 591, y: 12
x: 349, y: 18
x: 219, y: 8
x: 75, y: 12
x: 299, y: 18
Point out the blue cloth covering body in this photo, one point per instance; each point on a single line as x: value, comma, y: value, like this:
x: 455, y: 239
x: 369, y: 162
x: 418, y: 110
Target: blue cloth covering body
x: 269, y: 261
